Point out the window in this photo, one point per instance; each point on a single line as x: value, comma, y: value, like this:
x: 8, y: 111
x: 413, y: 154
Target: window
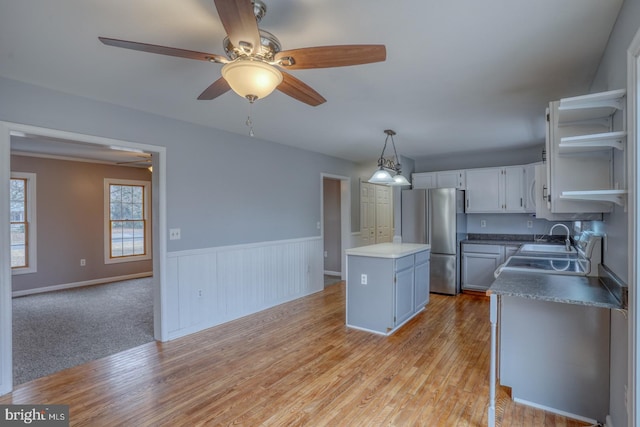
x: 127, y: 225
x: 22, y: 204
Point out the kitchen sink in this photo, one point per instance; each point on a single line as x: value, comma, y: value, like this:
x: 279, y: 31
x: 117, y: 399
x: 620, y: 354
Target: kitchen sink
x: 546, y: 265
x: 547, y: 248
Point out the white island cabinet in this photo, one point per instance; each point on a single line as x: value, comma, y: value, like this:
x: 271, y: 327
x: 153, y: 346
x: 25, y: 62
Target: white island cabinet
x: 387, y: 284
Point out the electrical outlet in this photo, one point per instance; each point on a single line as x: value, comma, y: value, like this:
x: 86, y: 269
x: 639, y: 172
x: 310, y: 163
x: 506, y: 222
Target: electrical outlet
x: 363, y: 279
x: 200, y: 293
x: 174, y: 234
x: 83, y: 262
x: 326, y: 254
x: 529, y: 224
x: 483, y: 223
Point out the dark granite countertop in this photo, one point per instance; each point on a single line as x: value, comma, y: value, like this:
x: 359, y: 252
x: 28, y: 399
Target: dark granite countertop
x: 510, y: 239
x: 494, y: 242
x: 566, y: 289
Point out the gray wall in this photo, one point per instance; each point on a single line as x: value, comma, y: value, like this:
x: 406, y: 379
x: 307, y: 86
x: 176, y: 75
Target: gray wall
x: 332, y: 225
x: 70, y: 221
x: 612, y: 74
x: 481, y: 159
x: 217, y: 193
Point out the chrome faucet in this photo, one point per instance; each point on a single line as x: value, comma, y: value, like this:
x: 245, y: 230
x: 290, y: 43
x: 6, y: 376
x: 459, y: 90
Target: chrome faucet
x: 567, y: 241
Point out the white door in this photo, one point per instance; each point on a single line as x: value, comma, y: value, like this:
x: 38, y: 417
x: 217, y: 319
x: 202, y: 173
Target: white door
x: 367, y: 213
x: 384, y: 224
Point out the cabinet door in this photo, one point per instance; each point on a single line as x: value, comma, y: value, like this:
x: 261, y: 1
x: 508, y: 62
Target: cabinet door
x: 509, y: 251
x: 448, y: 179
x: 478, y: 267
x: 423, y: 180
x: 485, y: 190
x: 404, y: 295
x: 514, y: 189
x: 421, y: 281
x: 530, y: 188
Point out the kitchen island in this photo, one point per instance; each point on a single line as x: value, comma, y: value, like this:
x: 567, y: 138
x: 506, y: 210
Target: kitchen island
x: 387, y: 285
x: 550, y: 341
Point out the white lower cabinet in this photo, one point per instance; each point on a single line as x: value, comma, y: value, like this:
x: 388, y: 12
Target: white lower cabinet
x: 480, y: 261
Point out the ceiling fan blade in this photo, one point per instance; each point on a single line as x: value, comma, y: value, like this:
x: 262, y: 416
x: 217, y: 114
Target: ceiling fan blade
x: 240, y: 23
x: 331, y: 56
x: 301, y: 91
x: 164, y: 50
x: 216, y: 89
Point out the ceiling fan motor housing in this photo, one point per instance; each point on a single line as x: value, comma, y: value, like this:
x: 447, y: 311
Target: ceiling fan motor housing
x: 269, y: 46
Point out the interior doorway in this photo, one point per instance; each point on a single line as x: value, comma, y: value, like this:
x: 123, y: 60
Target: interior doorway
x: 158, y: 155
x: 332, y: 229
x: 335, y: 198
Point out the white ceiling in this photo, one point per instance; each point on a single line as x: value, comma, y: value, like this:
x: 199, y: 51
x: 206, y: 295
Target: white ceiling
x: 460, y: 75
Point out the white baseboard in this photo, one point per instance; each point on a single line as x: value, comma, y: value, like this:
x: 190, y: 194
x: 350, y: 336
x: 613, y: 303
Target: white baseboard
x: 80, y: 284
x: 332, y: 273
x: 608, y: 422
x: 556, y: 411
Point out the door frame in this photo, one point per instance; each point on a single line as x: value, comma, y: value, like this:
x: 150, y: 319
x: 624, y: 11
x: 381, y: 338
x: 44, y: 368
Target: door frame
x: 633, y: 208
x: 345, y: 216
x: 159, y: 238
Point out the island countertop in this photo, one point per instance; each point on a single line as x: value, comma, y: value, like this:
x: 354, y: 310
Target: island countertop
x: 566, y: 289
x: 388, y: 250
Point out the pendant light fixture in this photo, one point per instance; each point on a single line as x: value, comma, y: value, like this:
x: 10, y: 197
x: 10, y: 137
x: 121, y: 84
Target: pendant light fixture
x: 382, y: 175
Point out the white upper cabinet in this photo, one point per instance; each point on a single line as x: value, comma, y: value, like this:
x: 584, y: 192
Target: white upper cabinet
x: 442, y: 179
x: 495, y: 190
x: 451, y: 179
x: 423, y: 180
x: 529, y: 194
x: 514, y: 183
x: 582, y: 133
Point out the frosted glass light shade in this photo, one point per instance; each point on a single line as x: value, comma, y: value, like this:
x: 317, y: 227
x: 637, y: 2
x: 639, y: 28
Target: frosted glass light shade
x: 250, y: 78
x: 400, y: 180
x: 381, y: 176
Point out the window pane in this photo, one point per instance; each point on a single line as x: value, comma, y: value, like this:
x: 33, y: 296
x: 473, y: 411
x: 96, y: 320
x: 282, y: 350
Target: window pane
x: 17, y: 189
x: 138, y: 194
x: 128, y: 227
x: 18, y: 245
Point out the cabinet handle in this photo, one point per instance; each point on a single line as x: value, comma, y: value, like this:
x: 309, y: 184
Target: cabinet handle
x: 544, y: 193
x: 467, y: 202
x: 520, y: 201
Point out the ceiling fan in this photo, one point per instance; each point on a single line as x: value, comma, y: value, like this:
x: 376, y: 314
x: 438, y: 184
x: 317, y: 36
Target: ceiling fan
x: 255, y: 63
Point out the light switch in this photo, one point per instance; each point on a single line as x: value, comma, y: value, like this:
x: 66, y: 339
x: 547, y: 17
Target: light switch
x: 174, y: 234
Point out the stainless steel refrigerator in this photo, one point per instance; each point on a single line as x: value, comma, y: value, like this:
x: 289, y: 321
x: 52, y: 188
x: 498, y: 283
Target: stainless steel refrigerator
x: 436, y: 216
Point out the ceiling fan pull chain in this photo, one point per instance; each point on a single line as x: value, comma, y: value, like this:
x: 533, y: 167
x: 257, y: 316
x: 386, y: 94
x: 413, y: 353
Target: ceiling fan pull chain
x: 249, y: 123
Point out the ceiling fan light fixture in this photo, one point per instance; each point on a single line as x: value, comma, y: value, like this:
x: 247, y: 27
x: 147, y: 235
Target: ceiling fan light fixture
x: 251, y: 79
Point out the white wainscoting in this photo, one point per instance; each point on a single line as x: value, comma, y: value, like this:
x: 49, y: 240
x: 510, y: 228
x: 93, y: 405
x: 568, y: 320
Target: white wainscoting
x: 207, y: 287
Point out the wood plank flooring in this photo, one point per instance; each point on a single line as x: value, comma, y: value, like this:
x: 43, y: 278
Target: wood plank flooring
x: 297, y: 365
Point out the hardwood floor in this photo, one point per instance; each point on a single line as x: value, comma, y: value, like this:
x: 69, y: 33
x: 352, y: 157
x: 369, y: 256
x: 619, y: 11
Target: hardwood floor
x: 297, y: 365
